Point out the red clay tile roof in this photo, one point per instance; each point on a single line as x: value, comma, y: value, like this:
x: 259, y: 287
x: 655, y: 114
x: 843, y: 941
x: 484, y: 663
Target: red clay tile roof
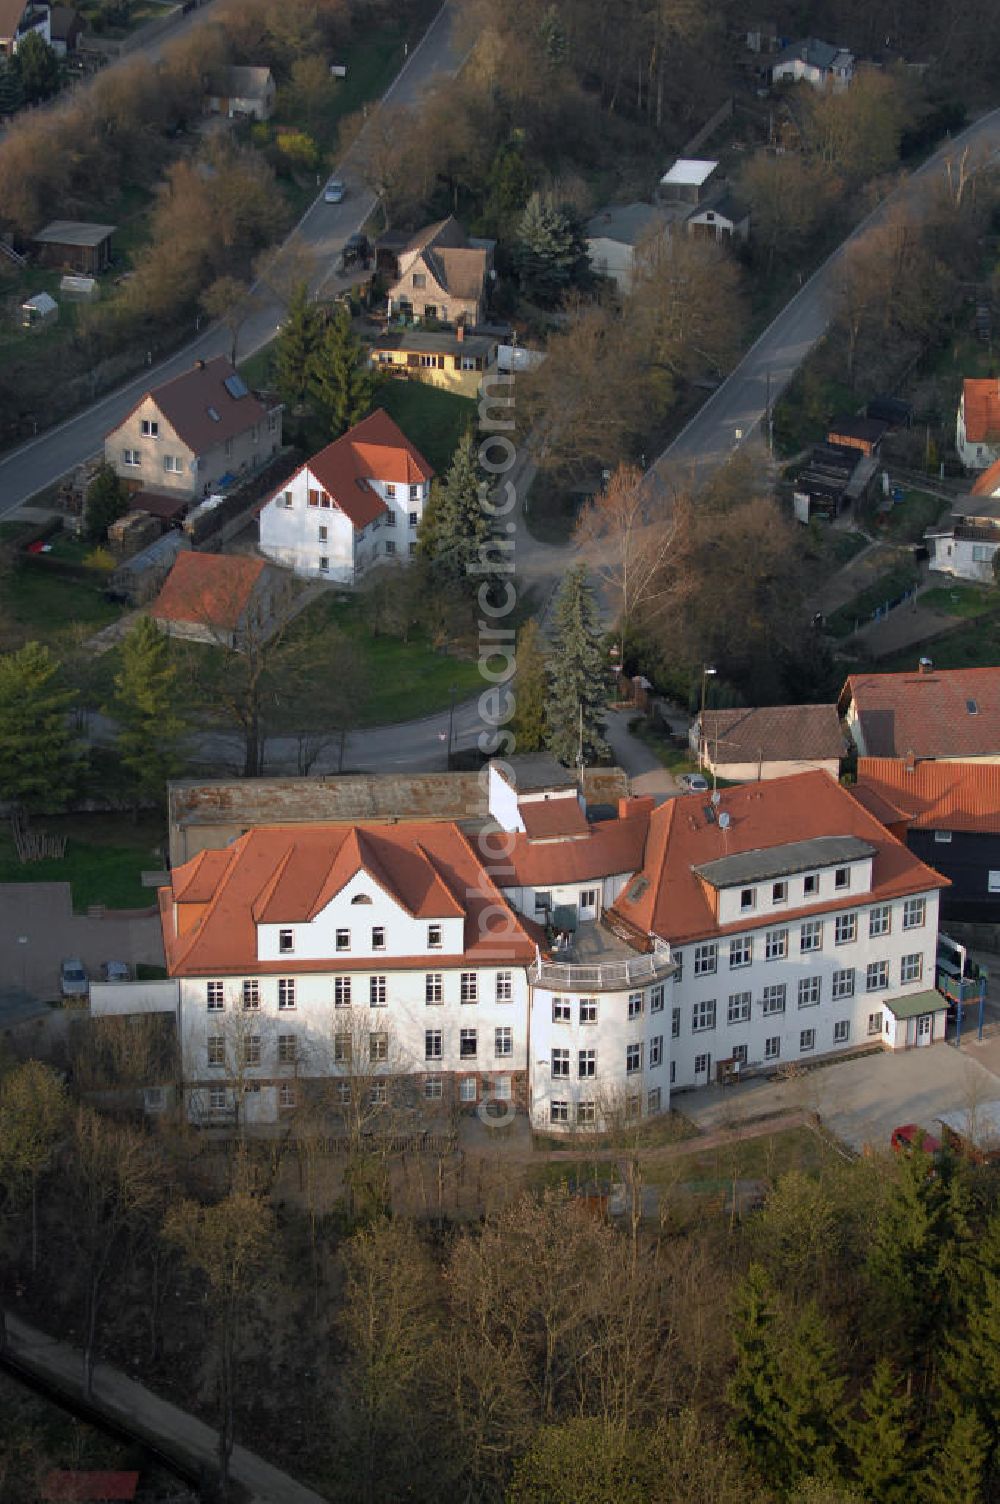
x: 982, y: 409
x: 374, y: 449
x: 988, y: 484
x: 89, y: 1487
x: 774, y: 733
x: 928, y: 714
x: 545, y: 819
x: 211, y: 589
x: 674, y: 904
x: 11, y: 12
x: 611, y: 846
x: 187, y: 402
x: 288, y: 873
x: 936, y: 795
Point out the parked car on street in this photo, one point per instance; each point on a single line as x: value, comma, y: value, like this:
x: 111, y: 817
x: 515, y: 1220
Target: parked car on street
x: 116, y: 971
x: 73, y: 979
x: 695, y: 783
x: 334, y: 191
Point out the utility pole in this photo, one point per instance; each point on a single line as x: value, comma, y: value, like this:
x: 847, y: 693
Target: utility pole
x: 706, y: 674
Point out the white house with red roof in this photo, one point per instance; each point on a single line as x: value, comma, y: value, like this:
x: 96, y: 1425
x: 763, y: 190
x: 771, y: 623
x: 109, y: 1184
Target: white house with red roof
x: 977, y: 423
x: 355, y: 504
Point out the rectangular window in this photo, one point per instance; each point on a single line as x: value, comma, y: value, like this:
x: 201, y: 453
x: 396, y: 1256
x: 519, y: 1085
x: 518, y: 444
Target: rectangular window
x: 415, y: 490
x: 378, y: 1093
x: 502, y: 1089
x: 655, y: 1051
x: 251, y: 994
x: 807, y: 1040
x: 313, y: 497
x: 877, y: 976
x: 342, y: 1048
x: 172, y: 464
x: 845, y: 929
x: 390, y: 519
x: 740, y: 951
x: 810, y: 884
x: 505, y: 986
x: 419, y: 279
x: 132, y: 457
x: 342, y: 940
x: 378, y: 1046
x: 748, y: 897
x: 286, y: 992
x: 675, y: 1023
x: 842, y: 1031
x: 913, y: 913
x: 586, y: 1113
x: 215, y: 995
x: 433, y: 1089
x: 286, y: 941
x: 287, y: 500
x: 993, y: 882
x: 150, y: 428
x: 433, y: 987
x: 842, y: 878
x: 774, y: 998
x: 341, y: 992
x: 703, y: 1016
x: 673, y: 1072
x: 809, y: 991
x: 390, y: 545
x: 345, y: 1093
x: 378, y: 937
x: 376, y: 992
x: 633, y: 1058
x: 705, y: 959
x: 942, y: 837
x: 558, y: 1112
x: 324, y: 564
x: 433, y: 1044
x: 677, y: 957
x: 216, y: 1049
x: 390, y: 489
x: 414, y: 519
x: 217, y: 1098
x: 322, y: 534
x: 738, y: 1011
x: 656, y: 999
x: 740, y: 1054
x: 286, y: 1094
x: 469, y: 987
x: 588, y: 1010
x: 543, y: 903
x: 562, y: 1010
x: 775, y: 945
x: 911, y: 968
x: 874, y: 1023
x: 653, y: 1100
x: 251, y: 1049
x: 560, y: 1063
x: 467, y: 1044
x: 635, y: 1005
x: 811, y: 936
x: 779, y: 893
x: 843, y: 982
x: 586, y: 1063
x: 287, y: 1049
x: 433, y: 937
x: 467, y: 1089
x: 503, y: 1042
x: 879, y: 920
x: 772, y: 1047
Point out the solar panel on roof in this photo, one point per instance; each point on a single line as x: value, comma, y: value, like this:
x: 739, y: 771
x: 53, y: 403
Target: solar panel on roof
x: 236, y: 386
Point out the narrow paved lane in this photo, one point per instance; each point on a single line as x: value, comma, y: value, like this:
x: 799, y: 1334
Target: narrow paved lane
x: 323, y: 229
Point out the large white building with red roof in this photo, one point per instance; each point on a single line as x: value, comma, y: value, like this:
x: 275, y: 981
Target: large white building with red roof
x: 356, y: 503
x: 570, y: 966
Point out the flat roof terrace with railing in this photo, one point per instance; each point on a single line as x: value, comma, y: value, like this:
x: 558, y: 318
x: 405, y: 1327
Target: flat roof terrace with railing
x: 598, y: 960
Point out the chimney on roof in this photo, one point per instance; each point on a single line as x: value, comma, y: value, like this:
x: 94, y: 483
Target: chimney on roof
x: 910, y: 763
x: 199, y: 365
x: 460, y: 332
x: 925, y: 665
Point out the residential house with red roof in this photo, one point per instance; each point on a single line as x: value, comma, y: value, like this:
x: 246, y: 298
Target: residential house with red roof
x: 964, y: 543
x: 948, y: 813
x: 194, y: 434
x: 221, y: 599
x: 977, y: 423
x: 952, y: 715
x: 355, y: 504
x: 541, y: 959
x: 771, y: 741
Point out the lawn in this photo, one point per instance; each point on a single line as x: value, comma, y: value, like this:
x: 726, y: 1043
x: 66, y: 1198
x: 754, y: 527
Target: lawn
x: 975, y: 644
x: 46, y: 604
x: 911, y: 517
x: 432, y: 419
x: 857, y: 611
x: 962, y: 599
x: 105, y: 855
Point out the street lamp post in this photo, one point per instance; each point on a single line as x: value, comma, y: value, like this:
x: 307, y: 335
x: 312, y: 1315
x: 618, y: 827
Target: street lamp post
x: 452, y: 691
x: 706, y: 674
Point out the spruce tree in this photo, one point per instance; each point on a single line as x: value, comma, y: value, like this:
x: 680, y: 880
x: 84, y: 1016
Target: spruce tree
x: 11, y: 92
x: 146, y: 709
x: 882, y: 1441
x: 341, y: 381
x: 296, y: 347
x: 531, y: 689
x: 971, y: 1367
x: 455, y: 522
x: 37, y: 67
x: 956, y: 1469
x: 37, y: 754
x: 810, y: 1390
x: 550, y: 253
x: 753, y: 1392
x: 106, y: 500
x: 577, y: 687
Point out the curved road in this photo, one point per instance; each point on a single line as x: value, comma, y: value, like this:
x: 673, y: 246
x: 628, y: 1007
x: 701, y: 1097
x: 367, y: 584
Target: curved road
x: 740, y: 403
x: 323, y: 229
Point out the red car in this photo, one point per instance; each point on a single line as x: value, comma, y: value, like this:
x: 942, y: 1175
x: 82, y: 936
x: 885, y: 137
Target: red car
x: 910, y: 1136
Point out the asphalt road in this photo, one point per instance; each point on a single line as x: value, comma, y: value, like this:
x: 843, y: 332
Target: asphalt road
x: 735, y: 410
x: 322, y: 229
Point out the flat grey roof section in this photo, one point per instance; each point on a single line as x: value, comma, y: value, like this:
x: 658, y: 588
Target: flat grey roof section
x: 534, y: 770
x: 981, y: 1123
x: 73, y: 232
x: 783, y: 861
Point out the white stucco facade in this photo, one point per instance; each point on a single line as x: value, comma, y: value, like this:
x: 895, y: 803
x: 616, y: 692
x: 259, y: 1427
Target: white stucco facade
x: 303, y: 528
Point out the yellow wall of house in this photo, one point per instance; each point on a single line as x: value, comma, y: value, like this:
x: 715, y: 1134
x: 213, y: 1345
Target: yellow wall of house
x: 463, y: 383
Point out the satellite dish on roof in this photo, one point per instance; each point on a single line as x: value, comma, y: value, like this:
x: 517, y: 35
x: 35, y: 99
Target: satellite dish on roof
x: 724, y: 820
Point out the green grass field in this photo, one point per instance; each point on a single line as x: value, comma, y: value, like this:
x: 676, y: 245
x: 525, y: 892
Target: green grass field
x: 962, y: 599
x: 105, y: 855
x: 45, y: 605
x: 431, y: 419
x: 974, y: 644
x: 858, y: 610
x: 910, y: 518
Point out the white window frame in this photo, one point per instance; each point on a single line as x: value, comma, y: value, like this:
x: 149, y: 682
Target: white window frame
x: 341, y: 992
x: 587, y: 1012
x: 879, y: 921
x: 703, y: 1016
x: 810, y: 991
x: 286, y: 994
x: 845, y: 929
x: 842, y: 1031
x: 877, y: 976
x: 633, y: 1059
x: 775, y: 945
x: 215, y: 996
x: 738, y: 1010
x: 559, y: 1064
x: 772, y: 1047
x: 914, y: 913
x: 774, y: 999
x: 740, y: 951
x: 810, y: 936
x: 433, y: 1044
x: 504, y: 986
x: 843, y: 983
x: 807, y: 1040
x: 562, y: 1010
x: 706, y: 958
x: 586, y: 1065
x: 468, y: 1044
x: 635, y: 1005
x: 503, y: 1042
x: 911, y: 967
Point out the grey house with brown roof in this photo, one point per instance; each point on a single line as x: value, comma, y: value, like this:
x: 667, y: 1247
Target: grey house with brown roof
x: 442, y: 274
x: 194, y: 434
x: 241, y: 93
x: 747, y: 745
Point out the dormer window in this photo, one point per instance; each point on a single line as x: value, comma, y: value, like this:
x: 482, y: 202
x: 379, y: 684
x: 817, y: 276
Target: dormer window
x: 378, y: 937
x: 748, y: 898
x: 433, y: 937
x: 842, y: 878
x: 779, y: 893
x: 286, y: 941
x: 811, y: 884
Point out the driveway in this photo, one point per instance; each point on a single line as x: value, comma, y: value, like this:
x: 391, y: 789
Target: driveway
x: 38, y: 929
x: 646, y: 773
